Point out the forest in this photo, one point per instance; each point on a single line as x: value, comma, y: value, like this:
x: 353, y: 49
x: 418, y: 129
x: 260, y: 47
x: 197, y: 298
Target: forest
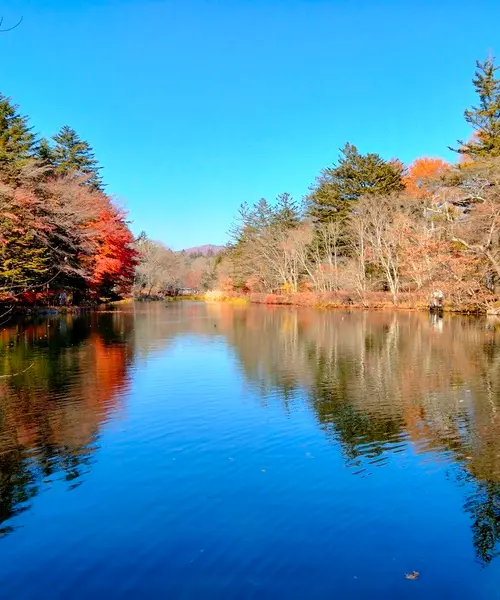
x: 63, y: 238
x: 370, y: 232
x: 60, y: 232
x: 374, y: 232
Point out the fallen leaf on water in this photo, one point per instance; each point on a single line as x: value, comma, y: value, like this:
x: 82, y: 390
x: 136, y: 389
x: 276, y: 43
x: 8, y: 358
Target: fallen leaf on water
x: 413, y: 575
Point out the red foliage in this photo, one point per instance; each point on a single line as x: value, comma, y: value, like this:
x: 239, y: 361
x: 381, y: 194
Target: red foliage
x: 114, y: 259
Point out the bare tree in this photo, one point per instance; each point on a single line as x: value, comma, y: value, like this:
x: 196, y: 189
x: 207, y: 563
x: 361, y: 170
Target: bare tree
x: 323, y: 256
x: 359, y: 226
x: 158, y: 270
x: 478, y: 229
x: 379, y: 229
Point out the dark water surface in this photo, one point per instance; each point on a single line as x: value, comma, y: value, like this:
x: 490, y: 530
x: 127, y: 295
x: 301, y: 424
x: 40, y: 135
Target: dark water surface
x: 193, y: 451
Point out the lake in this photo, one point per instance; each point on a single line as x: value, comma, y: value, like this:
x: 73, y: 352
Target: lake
x: 189, y: 450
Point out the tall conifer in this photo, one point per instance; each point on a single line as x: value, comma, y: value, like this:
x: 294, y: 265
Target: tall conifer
x: 72, y: 154
x: 17, y: 141
x: 338, y: 188
x: 485, y: 117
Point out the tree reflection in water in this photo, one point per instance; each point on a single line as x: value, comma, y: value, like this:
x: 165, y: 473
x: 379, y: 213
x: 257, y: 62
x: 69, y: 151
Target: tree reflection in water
x: 50, y: 415
x: 376, y: 382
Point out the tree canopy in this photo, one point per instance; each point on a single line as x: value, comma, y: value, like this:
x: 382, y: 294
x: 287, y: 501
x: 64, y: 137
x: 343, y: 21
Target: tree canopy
x: 58, y: 229
x: 354, y: 175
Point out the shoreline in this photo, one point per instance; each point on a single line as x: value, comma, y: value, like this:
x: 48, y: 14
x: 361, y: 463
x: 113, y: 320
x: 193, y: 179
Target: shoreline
x: 375, y: 302
x: 15, y: 311
x: 300, y: 300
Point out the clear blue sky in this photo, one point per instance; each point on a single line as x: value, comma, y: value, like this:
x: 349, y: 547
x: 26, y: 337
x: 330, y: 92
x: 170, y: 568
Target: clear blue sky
x: 196, y: 106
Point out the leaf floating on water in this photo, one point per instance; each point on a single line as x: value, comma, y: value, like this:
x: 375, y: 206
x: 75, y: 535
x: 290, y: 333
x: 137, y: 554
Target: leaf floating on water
x: 413, y: 575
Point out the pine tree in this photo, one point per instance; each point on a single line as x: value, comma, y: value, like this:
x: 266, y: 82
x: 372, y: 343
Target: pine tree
x: 17, y: 142
x: 286, y: 212
x: 484, y: 118
x: 71, y: 154
x: 250, y: 221
x: 355, y: 175
x: 45, y: 152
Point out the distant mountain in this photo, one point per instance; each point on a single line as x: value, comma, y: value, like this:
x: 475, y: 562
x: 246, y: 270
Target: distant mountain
x: 206, y: 249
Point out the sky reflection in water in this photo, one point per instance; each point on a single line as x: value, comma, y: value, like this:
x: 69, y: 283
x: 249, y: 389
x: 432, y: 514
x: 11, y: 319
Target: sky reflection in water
x: 189, y: 450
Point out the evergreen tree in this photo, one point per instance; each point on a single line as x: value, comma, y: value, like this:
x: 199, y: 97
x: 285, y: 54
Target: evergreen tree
x: 484, y: 118
x: 286, y: 212
x: 45, y: 152
x: 72, y: 154
x: 339, y: 187
x: 250, y: 221
x: 17, y: 141
x: 142, y: 238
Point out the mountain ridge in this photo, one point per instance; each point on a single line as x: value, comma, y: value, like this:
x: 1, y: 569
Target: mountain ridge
x: 204, y: 249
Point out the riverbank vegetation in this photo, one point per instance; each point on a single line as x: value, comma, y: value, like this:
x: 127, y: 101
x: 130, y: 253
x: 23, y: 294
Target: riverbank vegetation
x: 63, y: 239
x: 376, y: 232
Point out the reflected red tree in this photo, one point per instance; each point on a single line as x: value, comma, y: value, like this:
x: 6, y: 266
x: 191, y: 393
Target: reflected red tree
x: 71, y: 380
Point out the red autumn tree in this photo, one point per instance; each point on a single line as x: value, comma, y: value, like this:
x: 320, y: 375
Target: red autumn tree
x: 114, y: 261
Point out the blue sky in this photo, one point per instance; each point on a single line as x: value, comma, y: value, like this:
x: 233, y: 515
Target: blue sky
x: 196, y: 106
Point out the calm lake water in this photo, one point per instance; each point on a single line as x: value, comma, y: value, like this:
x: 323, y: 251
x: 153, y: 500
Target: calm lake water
x: 189, y: 451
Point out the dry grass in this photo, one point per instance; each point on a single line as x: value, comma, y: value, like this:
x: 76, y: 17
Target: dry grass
x: 333, y: 300
x: 220, y: 296
x: 344, y: 299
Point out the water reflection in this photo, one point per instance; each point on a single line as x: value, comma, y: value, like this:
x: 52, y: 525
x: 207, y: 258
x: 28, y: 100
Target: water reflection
x: 378, y: 384
x: 380, y: 381
x: 61, y: 380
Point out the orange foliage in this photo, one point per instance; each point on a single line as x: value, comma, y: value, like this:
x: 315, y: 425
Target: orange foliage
x: 421, y: 173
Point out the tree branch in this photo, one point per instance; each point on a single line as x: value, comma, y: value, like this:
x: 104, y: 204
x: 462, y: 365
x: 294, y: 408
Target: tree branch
x: 10, y: 28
